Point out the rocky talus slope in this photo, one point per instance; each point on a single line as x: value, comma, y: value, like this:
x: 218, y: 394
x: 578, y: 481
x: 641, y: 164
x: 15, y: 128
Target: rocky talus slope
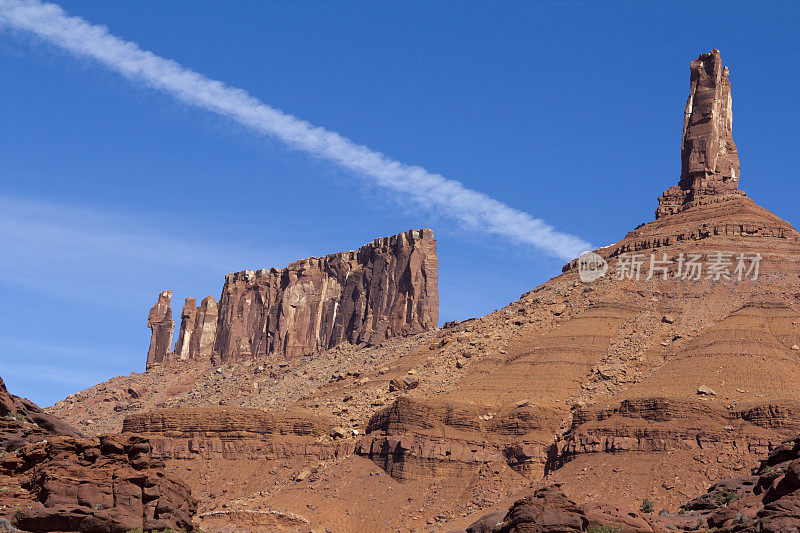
x: 679, y: 367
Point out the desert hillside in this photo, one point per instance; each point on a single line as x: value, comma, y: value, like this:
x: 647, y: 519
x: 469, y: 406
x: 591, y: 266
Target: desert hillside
x: 323, y: 396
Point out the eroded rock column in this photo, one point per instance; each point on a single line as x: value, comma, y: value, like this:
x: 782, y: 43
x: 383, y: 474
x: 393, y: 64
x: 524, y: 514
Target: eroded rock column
x: 161, y: 325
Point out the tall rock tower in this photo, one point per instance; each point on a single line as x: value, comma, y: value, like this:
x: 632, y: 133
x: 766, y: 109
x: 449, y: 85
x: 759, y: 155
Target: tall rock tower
x: 161, y: 327
x: 709, y: 159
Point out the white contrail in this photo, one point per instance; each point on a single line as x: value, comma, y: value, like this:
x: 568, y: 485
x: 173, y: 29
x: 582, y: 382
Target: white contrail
x: 51, y: 23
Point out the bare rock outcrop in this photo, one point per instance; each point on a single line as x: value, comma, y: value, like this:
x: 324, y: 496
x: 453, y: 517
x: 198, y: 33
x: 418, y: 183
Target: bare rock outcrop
x: 413, y: 439
x: 114, y: 485
x: 198, y: 330
x: 54, y: 480
x: 547, y: 511
x: 768, y: 500
x: 667, y: 424
x: 161, y: 327
x: 23, y: 422
x: 225, y: 422
x: 709, y: 159
x: 384, y: 289
x: 707, y: 203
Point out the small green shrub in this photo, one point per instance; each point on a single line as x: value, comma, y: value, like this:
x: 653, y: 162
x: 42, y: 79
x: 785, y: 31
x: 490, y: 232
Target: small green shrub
x: 647, y: 506
x: 725, y: 498
x: 605, y: 529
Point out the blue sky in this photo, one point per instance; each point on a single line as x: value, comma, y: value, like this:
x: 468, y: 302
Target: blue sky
x: 111, y: 191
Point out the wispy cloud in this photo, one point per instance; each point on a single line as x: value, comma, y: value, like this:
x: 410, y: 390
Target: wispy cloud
x: 87, y: 254
x: 79, y: 281
x: 474, y: 209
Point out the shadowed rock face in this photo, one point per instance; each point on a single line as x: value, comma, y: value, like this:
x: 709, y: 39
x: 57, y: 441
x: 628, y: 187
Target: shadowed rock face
x: 384, y: 289
x: 709, y: 159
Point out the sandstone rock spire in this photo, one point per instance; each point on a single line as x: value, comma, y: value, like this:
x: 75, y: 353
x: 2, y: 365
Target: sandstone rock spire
x: 198, y: 330
x: 161, y: 325
x: 709, y: 159
x: 188, y: 320
x: 205, y: 329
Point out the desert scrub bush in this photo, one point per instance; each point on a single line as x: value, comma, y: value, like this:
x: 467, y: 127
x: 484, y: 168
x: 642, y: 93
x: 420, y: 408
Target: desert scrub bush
x: 647, y: 506
x: 725, y: 498
x: 604, y: 529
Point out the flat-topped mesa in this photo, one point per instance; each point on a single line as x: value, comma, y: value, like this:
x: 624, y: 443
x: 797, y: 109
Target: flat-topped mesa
x: 709, y: 159
x: 384, y: 289
x: 161, y: 327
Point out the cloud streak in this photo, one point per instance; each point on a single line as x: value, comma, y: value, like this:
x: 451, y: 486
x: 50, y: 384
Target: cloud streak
x: 474, y: 209
x: 108, y: 257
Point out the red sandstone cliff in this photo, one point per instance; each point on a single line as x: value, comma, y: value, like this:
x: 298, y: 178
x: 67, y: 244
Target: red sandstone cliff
x: 617, y: 389
x: 386, y: 288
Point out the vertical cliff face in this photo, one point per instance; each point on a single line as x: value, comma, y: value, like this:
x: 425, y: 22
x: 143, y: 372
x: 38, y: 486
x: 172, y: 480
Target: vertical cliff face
x: 161, y: 326
x: 198, y: 330
x: 709, y: 158
x: 386, y: 288
x: 188, y: 319
x: 205, y: 329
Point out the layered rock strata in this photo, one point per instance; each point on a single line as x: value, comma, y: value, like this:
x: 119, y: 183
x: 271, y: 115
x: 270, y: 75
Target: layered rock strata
x: 707, y: 201
x: 236, y: 433
x: 54, y: 480
x: 766, y: 501
x: 413, y: 439
x: 81, y: 485
x: 738, y: 436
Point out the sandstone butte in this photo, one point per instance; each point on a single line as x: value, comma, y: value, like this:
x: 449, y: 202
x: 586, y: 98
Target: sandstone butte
x: 386, y: 288
x: 329, y: 401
